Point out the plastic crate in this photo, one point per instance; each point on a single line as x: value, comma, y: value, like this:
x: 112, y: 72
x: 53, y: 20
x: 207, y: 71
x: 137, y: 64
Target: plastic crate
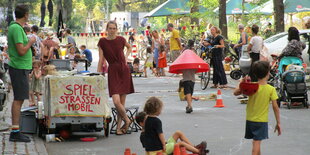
x: 28, y: 122
x: 61, y: 64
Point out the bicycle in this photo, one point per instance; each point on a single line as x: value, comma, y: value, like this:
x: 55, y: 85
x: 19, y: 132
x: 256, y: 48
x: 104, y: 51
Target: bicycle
x: 205, y: 77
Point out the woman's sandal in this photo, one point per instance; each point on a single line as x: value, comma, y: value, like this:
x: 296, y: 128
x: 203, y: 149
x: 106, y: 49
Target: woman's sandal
x: 125, y: 128
x: 119, y: 132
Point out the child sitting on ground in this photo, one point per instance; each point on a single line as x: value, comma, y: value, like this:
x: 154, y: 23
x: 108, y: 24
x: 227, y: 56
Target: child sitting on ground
x: 258, y: 107
x: 153, y: 138
x: 36, y: 82
x: 136, y: 66
x: 178, y: 135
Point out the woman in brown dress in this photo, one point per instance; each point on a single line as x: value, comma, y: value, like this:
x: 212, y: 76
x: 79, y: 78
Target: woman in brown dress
x: 111, y: 51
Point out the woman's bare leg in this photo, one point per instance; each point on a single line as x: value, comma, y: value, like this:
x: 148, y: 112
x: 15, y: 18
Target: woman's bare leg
x: 180, y: 135
x: 188, y: 147
x: 121, y: 112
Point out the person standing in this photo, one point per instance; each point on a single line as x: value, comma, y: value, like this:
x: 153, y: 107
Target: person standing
x: 254, y: 48
x: 70, y: 39
x: 217, y: 42
x: 256, y: 127
x: 119, y: 77
x: 156, y: 42
x: 20, y: 65
x: 88, y: 54
x: 175, y: 42
x: 242, y: 41
x: 38, y: 44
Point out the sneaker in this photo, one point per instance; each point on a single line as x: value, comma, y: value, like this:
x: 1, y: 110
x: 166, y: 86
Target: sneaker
x: 18, y: 137
x: 189, y: 110
x: 202, y: 148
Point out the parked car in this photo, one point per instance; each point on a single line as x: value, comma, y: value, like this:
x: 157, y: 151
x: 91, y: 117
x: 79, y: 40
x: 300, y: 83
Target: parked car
x: 277, y: 43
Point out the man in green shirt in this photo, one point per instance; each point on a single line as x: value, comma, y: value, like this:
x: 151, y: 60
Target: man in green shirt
x: 20, y: 65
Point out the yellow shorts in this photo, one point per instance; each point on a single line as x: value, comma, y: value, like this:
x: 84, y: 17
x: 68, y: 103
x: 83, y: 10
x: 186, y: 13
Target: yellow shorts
x: 170, y: 145
x: 149, y: 64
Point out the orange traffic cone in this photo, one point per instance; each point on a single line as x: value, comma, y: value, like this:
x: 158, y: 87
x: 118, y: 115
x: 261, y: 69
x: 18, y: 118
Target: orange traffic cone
x: 219, y: 100
x: 127, y: 151
x: 176, y: 150
x: 183, y: 151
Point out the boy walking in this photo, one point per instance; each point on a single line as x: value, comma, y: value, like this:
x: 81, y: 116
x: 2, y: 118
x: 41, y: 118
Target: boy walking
x: 188, y: 84
x: 258, y: 107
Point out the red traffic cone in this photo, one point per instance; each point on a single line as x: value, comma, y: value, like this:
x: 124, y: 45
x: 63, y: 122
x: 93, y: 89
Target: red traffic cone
x: 183, y: 151
x: 176, y: 150
x: 127, y: 151
x: 219, y: 100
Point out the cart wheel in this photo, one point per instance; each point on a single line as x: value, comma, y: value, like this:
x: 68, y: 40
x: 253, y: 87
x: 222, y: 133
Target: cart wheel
x: 306, y: 104
x: 42, y: 131
x: 235, y: 74
x: 289, y: 104
x: 107, y: 122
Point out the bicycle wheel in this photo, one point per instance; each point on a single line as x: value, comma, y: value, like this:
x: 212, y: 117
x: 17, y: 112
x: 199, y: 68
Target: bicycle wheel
x: 204, y: 80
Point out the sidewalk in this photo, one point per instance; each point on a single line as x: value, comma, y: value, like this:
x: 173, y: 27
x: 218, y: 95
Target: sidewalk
x: 35, y: 147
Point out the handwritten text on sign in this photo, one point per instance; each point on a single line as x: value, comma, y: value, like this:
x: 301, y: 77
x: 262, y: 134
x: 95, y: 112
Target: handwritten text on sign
x: 79, y: 96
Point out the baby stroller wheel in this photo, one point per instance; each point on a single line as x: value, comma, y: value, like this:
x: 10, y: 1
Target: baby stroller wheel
x: 306, y: 104
x: 289, y: 104
x: 236, y: 74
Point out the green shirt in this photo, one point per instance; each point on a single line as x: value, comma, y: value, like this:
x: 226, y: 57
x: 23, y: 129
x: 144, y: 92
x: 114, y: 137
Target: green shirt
x: 16, y: 34
x: 258, y: 105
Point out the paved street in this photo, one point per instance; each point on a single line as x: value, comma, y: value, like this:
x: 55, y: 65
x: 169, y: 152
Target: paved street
x: 222, y: 128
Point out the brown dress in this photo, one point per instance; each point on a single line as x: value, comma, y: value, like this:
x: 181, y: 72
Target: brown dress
x: 119, y: 77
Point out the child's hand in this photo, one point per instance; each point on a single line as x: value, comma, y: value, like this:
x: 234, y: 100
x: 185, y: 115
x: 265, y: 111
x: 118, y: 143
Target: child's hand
x: 164, y: 148
x: 278, y: 128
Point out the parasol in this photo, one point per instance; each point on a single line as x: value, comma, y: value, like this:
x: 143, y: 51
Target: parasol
x: 188, y: 60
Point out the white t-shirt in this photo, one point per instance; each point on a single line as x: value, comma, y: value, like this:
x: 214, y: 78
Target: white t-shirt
x: 257, y: 44
x: 150, y: 57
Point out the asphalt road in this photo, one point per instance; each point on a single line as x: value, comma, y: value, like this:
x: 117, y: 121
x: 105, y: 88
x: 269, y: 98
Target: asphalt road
x: 222, y: 128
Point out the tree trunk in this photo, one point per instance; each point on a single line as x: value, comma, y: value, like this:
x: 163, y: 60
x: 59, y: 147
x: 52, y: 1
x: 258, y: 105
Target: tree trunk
x: 43, y: 8
x: 222, y: 18
x: 50, y: 10
x: 9, y: 17
x: 67, y: 10
x: 279, y: 15
x: 195, y: 8
x: 121, y: 6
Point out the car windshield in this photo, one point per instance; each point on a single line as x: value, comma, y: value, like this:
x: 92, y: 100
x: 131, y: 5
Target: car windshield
x: 275, y: 37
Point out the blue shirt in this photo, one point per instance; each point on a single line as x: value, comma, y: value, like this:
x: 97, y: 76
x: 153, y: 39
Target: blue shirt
x: 88, y: 55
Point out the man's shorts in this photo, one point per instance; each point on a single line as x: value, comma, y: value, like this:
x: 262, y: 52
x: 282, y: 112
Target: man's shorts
x: 188, y: 87
x: 20, y: 84
x: 256, y: 130
x: 170, y: 145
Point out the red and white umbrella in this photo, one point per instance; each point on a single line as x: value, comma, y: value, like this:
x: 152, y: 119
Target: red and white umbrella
x: 188, y: 60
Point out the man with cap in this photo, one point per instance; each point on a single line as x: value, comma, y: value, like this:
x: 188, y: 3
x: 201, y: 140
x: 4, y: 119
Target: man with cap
x: 175, y: 42
x: 49, y: 46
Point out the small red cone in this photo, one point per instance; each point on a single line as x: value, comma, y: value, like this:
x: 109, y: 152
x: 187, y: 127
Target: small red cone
x: 127, y: 151
x: 183, y: 151
x: 176, y: 150
x: 219, y: 100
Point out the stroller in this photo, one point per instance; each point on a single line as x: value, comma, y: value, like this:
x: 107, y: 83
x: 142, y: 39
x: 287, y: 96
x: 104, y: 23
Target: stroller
x: 290, y: 82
